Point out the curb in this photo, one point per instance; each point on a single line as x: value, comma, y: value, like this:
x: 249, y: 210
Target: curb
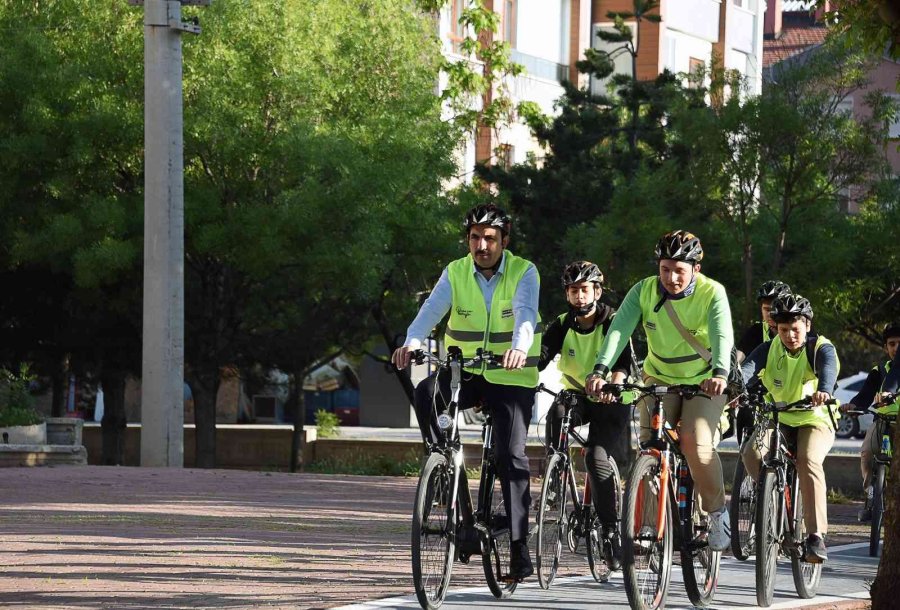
x: 850, y: 604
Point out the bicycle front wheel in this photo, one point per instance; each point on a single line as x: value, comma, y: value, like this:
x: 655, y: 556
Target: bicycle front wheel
x: 877, y: 510
x: 551, y: 520
x: 646, y: 552
x: 495, y: 545
x: 699, y: 563
x: 433, y: 545
x: 768, y: 537
x: 742, y: 513
x: 806, y: 575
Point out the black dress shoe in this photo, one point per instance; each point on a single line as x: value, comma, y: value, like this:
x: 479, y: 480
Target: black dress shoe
x: 520, y: 566
x: 815, y: 549
x: 612, y: 547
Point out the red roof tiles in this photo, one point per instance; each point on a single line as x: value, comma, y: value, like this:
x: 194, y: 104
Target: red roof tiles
x: 793, y: 40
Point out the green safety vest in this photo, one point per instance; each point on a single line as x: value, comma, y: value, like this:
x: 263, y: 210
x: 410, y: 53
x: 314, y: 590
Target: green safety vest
x: 578, y: 354
x: 790, y: 377
x: 890, y: 409
x: 669, y: 357
x: 470, y: 327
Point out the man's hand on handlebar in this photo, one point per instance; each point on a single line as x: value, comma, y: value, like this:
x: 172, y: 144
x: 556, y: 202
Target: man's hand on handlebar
x: 513, y: 359
x: 714, y: 386
x: 401, y: 357
x: 819, y: 398
x: 593, y: 387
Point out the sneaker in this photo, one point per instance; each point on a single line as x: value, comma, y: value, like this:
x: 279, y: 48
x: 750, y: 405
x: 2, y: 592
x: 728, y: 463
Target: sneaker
x: 612, y: 546
x: 719, y: 530
x: 815, y: 549
x: 520, y: 566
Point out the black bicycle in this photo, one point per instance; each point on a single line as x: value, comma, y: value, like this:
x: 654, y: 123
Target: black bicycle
x: 659, y: 493
x: 554, y: 523
x: 779, y: 508
x: 884, y: 423
x: 445, y: 526
x: 742, y: 511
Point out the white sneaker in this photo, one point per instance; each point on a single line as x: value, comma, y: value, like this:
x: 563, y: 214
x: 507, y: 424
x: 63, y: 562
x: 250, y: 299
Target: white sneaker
x: 719, y: 530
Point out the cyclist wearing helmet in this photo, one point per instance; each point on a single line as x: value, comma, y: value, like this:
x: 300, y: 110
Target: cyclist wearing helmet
x: 868, y: 394
x: 576, y: 336
x: 763, y: 330
x: 492, y: 297
x: 798, y: 365
x: 701, y: 306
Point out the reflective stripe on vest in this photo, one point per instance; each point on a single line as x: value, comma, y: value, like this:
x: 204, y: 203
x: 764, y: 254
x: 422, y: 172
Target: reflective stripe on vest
x: 578, y: 354
x: 789, y: 378
x: 471, y: 326
x: 669, y: 357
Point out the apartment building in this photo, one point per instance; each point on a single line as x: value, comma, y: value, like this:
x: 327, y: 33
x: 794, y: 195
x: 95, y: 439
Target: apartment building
x: 548, y: 36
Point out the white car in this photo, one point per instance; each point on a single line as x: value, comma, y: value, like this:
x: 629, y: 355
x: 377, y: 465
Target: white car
x: 847, y: 388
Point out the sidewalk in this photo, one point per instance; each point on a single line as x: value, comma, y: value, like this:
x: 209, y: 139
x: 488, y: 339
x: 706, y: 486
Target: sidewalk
x: 127, y: 538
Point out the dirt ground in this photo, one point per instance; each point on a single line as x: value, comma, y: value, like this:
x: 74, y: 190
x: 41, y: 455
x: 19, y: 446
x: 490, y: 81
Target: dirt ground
x: 127, y: 538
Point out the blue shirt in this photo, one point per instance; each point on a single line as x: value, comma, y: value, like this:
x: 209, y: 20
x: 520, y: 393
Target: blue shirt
x: 525, y: 306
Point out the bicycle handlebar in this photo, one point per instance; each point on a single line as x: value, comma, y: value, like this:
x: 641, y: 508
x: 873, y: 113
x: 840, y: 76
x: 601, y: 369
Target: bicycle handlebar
x: 688, y: 390
x: 420, y: 356
x: 804, y: 404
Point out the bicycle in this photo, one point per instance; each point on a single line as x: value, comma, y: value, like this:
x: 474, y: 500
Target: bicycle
x: 559, y: 483
x: 882, y: 464
x: 779, y: 509
x: 659, y: 483
x: 445, y: 526
x: 742, y: 511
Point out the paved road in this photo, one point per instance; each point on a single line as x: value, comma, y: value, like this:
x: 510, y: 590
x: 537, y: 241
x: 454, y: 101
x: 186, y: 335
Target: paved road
x: 844, y: 577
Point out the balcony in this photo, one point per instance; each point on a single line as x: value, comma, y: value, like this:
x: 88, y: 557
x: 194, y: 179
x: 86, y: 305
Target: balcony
x: 540, y: 67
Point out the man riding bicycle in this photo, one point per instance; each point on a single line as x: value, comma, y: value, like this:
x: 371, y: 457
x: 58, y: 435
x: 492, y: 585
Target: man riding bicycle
x: 764, y: 329
x: 492, y: 297
x: 576, y: 336
x: 868, y: 394
x: 677, y: 303
x: 799, y: 365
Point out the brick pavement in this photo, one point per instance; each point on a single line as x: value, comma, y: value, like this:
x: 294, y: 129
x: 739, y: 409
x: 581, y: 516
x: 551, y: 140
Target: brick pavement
x: 127, y: 538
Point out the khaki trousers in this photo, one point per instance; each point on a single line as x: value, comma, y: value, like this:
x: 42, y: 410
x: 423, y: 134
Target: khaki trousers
x: 867, y: 458
x: 813, y: 444
x: 699, y: 434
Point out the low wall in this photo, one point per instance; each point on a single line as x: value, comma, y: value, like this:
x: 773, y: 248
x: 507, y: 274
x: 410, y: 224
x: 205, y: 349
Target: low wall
x: 269, y: 448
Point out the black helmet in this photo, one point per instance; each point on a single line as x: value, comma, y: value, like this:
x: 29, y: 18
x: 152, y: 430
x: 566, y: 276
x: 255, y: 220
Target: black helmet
x: 788, y: 306
x: 680, y: 246
x: 488, y: 214
x: 582, y: 271
x: 891, y: 329
x: 772, y: 289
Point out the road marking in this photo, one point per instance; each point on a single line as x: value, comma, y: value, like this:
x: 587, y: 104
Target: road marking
x: 824, y: 599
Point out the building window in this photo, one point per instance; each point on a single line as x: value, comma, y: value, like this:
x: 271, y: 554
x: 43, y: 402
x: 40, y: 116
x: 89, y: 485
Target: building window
x: 506, y: 156
x: 509, y: 22
x: 894, y: 128
x: 696, y: 71
x: 457, y: 30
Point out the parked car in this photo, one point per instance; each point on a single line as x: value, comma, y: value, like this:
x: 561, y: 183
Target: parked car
x: 847, y: 388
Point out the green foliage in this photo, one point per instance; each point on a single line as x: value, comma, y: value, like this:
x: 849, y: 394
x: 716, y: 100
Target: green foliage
x: 361, y: 463
x: 327, y: 424
x: 16, y: 401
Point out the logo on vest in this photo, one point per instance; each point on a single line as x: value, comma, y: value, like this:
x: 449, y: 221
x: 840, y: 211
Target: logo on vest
x: 506, y: 313
x: 778, y: 383
x: 463, y: 312
x: 650, y: 325
x: 571, y: 352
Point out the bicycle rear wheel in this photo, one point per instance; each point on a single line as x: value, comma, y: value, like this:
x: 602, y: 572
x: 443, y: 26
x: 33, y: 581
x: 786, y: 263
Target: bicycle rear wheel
x: 768, y: 536
x: 743, y: 513
x: 646, y: 553
x: 699, y: 563
x: 433, y: 546
x: 551, y: 520
x: 806, y: 575
x: 495, y: 545
x: 877, y: 510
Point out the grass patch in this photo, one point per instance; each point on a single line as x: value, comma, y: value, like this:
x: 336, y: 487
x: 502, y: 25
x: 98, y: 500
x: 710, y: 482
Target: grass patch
x: 368, y: 465
x: 837, y: 496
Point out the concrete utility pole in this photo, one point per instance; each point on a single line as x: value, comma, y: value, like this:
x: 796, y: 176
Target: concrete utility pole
x: 162, y: 388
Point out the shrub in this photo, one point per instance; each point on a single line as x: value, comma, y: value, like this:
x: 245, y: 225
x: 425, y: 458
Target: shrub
x: 327, y: 424
x: 16, y: 401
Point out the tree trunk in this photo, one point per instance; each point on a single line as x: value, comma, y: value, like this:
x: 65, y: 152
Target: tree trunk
x: 204, y: 383
x: 391, y: 341
x: 58, y: 400
x: 779, y: 250
x: 886, y: 588
x: 294, y: 406
x: 747, y: 259
x: 114, y: 422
